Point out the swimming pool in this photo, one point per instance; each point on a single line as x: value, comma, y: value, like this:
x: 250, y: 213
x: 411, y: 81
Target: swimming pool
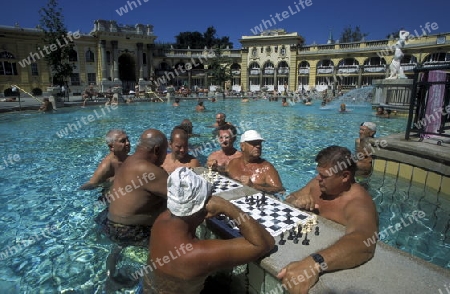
x: 50, y: 244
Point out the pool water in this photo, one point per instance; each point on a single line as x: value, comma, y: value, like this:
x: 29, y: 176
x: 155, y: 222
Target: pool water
x: 50, y: 243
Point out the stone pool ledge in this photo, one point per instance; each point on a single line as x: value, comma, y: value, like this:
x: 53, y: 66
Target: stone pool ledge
x: 423, y: 162
x: 389, y: 271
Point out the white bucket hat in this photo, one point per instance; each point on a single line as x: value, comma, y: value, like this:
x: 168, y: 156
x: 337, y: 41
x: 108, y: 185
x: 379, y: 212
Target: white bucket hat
x: 186, y: 192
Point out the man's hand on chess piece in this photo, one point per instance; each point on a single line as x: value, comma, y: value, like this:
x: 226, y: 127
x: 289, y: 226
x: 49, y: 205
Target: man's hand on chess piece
x: 299, y: 276
x: 212, y: 163
x: 302, y: 201
x: 217, y: 205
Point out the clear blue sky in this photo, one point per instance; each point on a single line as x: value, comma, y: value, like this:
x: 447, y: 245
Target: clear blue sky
x: 235, y: 18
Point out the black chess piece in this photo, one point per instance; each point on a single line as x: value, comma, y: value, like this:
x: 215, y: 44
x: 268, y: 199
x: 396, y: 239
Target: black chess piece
x: 316, y: 231
x: 282, y: 241
x: 299, y: 231
x: 306, y: 240
x: 295, y: 239
x: 291, y: 234
x: 288, y: 216
x: 263, y: 198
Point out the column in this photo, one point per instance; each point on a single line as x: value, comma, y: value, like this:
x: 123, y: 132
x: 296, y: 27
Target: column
x: 360, y: 71
x: 150, y: 67
x: 139, y: 60
x: 275, y: 77
x: 104, y: 62
x: 115, y: 57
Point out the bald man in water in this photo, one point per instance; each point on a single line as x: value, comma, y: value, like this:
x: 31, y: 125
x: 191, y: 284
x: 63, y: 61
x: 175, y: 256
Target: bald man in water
x: 179, y: 156
x: 139, y: 192
x: 252, y: 170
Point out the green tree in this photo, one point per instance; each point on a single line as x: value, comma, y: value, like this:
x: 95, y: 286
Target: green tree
x: 352, y: 35
x: 219, y: 68
x: 197, y: 40
x: 55, y: 34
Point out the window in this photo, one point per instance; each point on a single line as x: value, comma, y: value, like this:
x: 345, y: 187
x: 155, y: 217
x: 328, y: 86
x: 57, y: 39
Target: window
x: 283, y: 51
x: 8, y: 68
x: 73, y: 56
x: 144, y: 58
x: 89, y: 56
x: 34, y: 69
x: 91, y: 78
x: 108, y: 57
x: 254, y: 52
x: 75, y: 79
x: 6, y: 55
x: 262, y: 50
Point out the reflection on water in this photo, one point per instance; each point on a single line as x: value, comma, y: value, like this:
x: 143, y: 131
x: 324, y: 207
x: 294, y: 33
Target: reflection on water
x: 41, y: 189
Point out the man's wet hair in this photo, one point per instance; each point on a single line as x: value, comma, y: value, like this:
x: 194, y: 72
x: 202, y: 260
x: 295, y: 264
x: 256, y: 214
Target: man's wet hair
x: 338, y: 157
x: 112, y: 135
x: 186, y: 127
x: 226, y: 128
x: 179, y: 129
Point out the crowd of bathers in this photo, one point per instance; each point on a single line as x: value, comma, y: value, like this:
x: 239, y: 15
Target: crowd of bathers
x: 157, y: 199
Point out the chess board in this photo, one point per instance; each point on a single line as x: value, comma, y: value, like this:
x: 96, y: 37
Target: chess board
x: 275, y: 216
x: 220, y: 183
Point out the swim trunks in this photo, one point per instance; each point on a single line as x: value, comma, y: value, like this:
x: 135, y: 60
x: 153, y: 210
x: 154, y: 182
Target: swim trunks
x: 136, y: 235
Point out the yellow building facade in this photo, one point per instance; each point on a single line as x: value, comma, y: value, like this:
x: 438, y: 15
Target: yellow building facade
x: 113, y: 55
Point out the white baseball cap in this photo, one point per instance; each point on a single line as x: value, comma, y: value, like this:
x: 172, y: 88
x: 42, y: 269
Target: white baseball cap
x: 251, y: 135
x: 186, y: 192
x: 372, y: 126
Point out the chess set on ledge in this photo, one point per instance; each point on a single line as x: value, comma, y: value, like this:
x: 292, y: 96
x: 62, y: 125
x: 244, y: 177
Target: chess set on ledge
x: 278, y: 218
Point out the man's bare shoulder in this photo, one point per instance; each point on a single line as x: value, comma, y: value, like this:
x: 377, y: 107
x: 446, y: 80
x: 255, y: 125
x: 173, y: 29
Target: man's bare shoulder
x: 215, y: 154
x: 360, y: 204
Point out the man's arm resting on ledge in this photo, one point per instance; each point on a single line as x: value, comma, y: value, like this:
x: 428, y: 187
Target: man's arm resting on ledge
x: 355, y: 248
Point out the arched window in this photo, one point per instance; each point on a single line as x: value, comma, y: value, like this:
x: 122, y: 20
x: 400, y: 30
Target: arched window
x: 73, y: 55
x: 6, y: 55
x: 89, y: 56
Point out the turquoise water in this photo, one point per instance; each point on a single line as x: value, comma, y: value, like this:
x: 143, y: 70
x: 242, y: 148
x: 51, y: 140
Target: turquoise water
x: 50, y: 243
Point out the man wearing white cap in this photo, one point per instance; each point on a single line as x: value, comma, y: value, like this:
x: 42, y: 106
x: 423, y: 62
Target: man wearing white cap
x: 367, y: 130
x: 252, y: 170
x: 179, y: 262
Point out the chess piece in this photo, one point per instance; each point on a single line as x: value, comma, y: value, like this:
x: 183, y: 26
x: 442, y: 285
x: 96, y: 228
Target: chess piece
x: 306, y: 240
x: 300, y: 230
x: 296, y: 236
x: 291, y: 234
x: 263, y: 197
x: 282, y: 241
x: 316, y: 232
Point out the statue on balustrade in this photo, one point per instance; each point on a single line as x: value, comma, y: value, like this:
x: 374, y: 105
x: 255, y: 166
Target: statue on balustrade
x: 396, y: 71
